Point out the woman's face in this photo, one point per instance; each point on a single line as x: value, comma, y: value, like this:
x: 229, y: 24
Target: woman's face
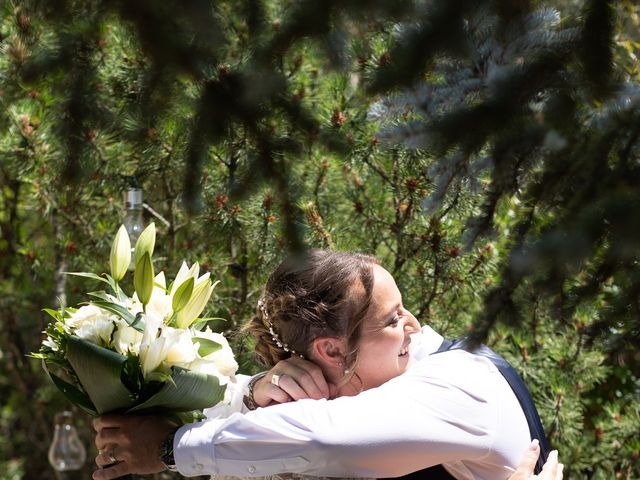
x: 383, y: 350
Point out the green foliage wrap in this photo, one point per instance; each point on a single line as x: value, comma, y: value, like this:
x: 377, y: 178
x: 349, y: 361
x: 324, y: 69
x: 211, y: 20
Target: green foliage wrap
x: 100, y: 372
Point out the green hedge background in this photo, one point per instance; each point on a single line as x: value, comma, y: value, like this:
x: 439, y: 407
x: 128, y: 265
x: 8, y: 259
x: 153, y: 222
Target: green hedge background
x: 486, y: 151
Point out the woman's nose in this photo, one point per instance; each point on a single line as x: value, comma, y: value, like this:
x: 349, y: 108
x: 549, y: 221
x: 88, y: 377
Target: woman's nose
x: 411, y: 325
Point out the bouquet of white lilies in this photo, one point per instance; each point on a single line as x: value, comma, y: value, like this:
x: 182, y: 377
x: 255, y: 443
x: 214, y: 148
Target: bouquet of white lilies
x: 147, y: 352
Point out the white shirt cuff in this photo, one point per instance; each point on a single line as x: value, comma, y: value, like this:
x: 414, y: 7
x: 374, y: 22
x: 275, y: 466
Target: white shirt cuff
x: 193, y: 448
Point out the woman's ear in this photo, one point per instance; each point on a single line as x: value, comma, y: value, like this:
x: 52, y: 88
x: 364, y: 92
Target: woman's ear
x: 329, y: 352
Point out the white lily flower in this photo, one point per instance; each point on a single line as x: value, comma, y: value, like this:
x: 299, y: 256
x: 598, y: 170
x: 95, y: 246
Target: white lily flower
x: 201, y: 365
x: 160, y: 280
x: 126, y: 339
x: 199, y: 298
x: 132, y: 304
x: 49, y: 342
x: 92, y: 323
x: 163, y: 347
x: 180, y: 347
x: 186, y: 272
x: 182, y: 275
x: 160, y: 303
x: 150, y: 349
x: 202, y: 289
x: 223, y: 359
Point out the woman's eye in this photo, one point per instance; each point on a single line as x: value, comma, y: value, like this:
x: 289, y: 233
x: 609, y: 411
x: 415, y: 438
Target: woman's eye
x: 394, y: 321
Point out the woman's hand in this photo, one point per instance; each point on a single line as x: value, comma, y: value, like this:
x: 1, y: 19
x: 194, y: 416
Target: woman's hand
x: 291, y: 379
x: 552, y: 470
x: 129, y: 444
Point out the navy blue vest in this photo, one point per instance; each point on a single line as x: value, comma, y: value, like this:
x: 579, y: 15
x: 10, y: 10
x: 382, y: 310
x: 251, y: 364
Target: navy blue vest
x: 437, y: 472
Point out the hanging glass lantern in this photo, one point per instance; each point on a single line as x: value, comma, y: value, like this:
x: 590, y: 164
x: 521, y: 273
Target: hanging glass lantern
x: 133, y: 220
x: 66, y: 453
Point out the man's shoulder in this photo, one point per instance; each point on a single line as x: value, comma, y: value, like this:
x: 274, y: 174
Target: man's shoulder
x: 458, y: 370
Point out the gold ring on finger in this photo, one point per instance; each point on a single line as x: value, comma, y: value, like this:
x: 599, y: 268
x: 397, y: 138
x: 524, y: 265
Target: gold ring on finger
x: 112, y: 457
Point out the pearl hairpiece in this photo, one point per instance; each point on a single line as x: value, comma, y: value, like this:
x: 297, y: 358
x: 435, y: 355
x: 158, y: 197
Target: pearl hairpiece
x: 274, y: 336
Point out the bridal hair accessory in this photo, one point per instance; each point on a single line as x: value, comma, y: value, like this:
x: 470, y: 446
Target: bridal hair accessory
x: 274, y: 335
x: 275, y: 379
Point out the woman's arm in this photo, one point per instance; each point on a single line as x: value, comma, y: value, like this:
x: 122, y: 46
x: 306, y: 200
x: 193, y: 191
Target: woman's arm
x: 297, y: 379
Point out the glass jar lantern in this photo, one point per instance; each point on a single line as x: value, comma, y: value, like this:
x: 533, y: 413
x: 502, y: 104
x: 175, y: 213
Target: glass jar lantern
x: 66, y: 453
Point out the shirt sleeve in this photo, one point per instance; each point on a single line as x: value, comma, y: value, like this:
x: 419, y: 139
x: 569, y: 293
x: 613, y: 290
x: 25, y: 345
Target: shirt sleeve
x: 441, y: 410
x: 233, y: 399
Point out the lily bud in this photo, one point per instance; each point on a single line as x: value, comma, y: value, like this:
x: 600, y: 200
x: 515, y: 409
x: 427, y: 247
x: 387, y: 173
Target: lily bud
x: 182, y: 295
x: 146, y: 243
x: 199, y: 298
x: 120, y: 254
x: 143, y: 278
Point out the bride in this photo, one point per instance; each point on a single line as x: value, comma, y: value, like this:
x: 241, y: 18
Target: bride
x: 396, y: 407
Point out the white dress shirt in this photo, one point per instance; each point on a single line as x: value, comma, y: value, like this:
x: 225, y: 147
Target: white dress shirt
x: 452, y: 408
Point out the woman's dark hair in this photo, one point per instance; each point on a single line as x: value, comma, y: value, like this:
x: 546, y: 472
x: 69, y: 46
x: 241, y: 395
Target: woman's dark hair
x: 317, y: 293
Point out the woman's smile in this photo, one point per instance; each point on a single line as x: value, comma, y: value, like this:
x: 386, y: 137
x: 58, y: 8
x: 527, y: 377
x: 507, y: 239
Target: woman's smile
x: 384, y: 350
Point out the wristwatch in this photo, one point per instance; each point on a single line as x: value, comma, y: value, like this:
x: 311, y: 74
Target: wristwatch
x: 248, y: 399
x: 166, y: 452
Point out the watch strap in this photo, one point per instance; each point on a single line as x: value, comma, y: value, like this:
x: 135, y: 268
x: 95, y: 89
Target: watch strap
x: 166, y: 452
x: 248, y: 399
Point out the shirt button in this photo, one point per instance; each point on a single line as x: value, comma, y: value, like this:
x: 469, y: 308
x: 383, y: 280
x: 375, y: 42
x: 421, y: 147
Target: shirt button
x: 251, y: 469
x: 199, y: 467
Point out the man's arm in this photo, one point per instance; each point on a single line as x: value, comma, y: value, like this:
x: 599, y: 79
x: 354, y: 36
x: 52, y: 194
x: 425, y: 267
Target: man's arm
x: 418, y: 419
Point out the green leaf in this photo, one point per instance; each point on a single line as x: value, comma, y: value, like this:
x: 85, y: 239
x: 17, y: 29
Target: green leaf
x: 122, y: 312
x: 201, y: 322
x: 89, y: 275
x: 138, y: 322
x: 132, y: 374
x: 189, y: 391
x: 183, y: 294
x: 101, y: 295
x: 114, y: 286
x: 159, y: 377
x: 184, y: 418
x: 207, y: 346
x: 105, y: 278
x: 99, y: 371
x: 54, y: 313
x: 208, y: 319
x: 162, y: 287
x: 73, y: 394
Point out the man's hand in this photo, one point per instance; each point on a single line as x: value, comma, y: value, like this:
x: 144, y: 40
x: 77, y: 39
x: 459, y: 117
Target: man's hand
x: 552, y: 470
x: 295, y: 379
x: 129, y: 444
